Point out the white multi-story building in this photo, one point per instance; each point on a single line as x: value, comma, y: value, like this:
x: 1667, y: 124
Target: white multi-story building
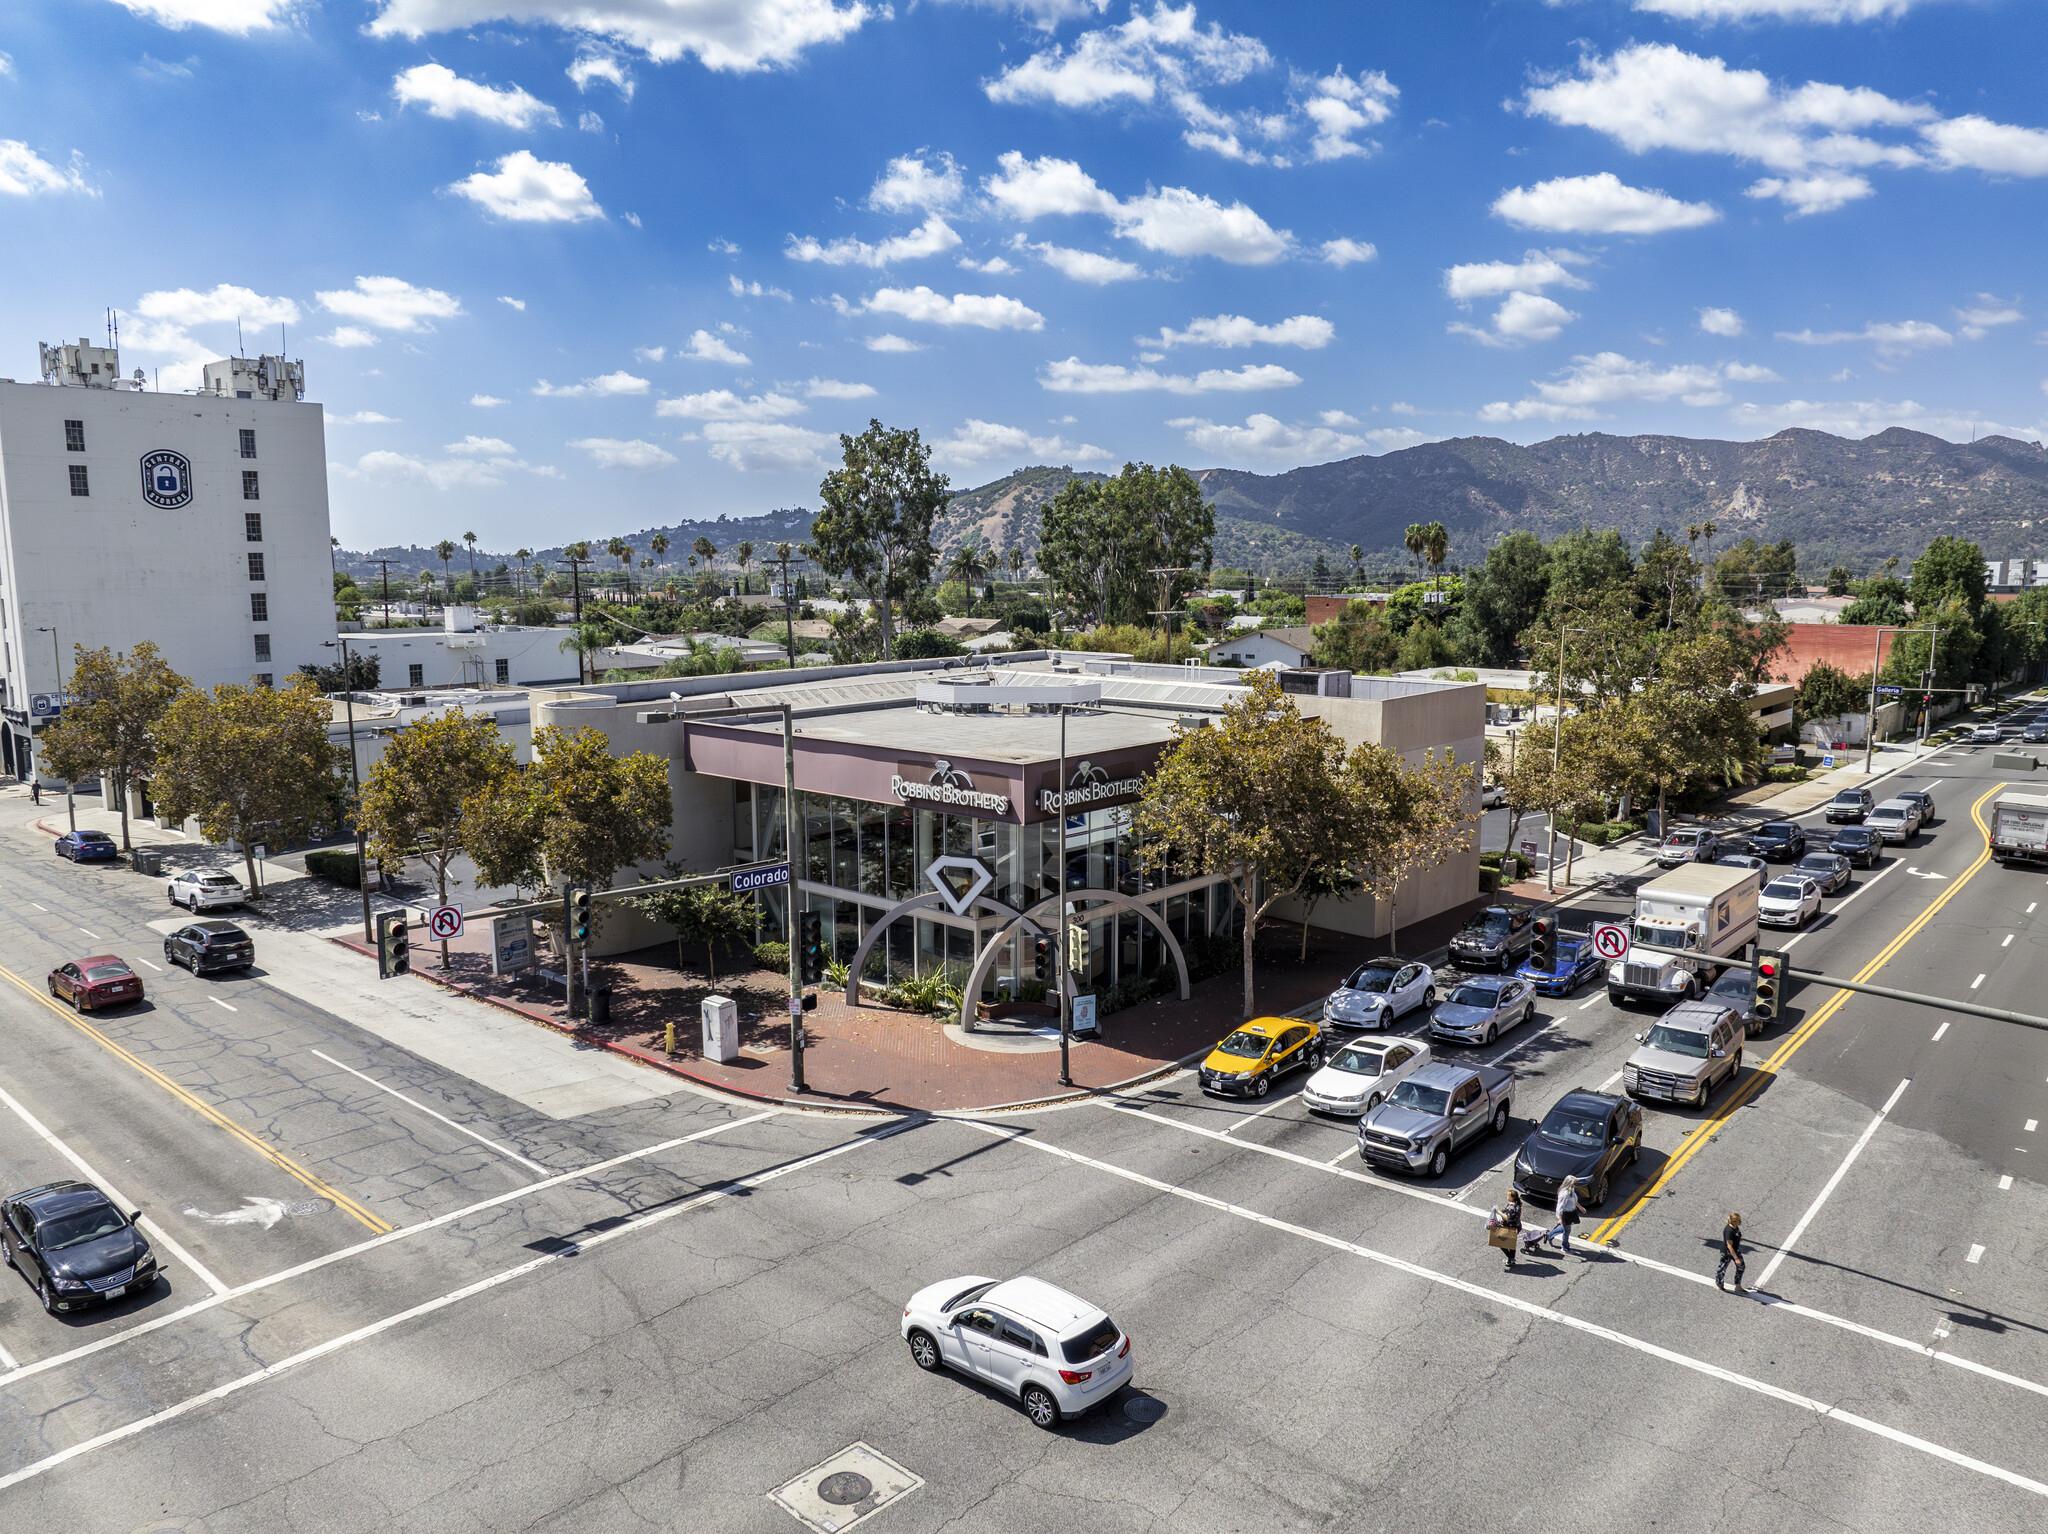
x: 196, y: 521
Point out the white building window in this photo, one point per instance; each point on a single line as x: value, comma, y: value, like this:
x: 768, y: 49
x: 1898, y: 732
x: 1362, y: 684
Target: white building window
x: 248, y: 443
x: 79, y: 486
x: 504, y: 671
x: 74, y: 436
x: 259, y: 607
x: 263, y: 647
x: 415, y: 676
x: 252, y: 526
x: 249, y: 487
x: 255, y: 567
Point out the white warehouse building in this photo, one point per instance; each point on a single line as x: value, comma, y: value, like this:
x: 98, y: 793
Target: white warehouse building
x: 197, y: 521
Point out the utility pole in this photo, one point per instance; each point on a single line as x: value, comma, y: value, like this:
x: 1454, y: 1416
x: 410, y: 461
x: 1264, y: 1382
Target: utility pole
x: 1870, y: 719
x: 788, y: 600
x: 1066, y: 972
x: 348, y: 692
x: 385, y: 566
x: 576, y: 583
x: 1165, y: 614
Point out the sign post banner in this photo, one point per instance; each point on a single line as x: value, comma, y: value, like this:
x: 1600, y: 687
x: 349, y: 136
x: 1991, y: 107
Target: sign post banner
x: 1084, y: 1015
x: 511, y: 944
x: 445, y: 922
x: 1610, y: 941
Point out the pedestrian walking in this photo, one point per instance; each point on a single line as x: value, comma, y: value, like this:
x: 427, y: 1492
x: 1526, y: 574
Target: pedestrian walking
x: 1731, y: 1251
x: 1567, y: 1217
x: 35, y: 791
x: 1504, y: 1229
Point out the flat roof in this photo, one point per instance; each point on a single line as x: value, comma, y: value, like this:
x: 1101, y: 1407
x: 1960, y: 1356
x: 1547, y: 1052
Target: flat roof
x: 1017, y: 738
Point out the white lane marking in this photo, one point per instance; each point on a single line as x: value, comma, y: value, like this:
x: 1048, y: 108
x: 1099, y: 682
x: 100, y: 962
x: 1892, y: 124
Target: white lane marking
x: 1812, y: 1209
x: 2030, y: 906
x: 1526, y: 1307
x: 1245, y: 1118
x: 2005, y: 1182
x: 629, y: 1224
x: 1526, y: 1042
x: 1977, y: 982
x: 1938, y: 1033
x: 2008, y: 941
x: 1976, y: 1254
x: 1844, y: 904
x: 7, y: 1359
x: 93, y: 935
x: 255, y: 1210
x: 272, y: 1280
x: 1349, y: 1150
x: 1610, y: 1081
x: 458, y: 1128
x: 152, y: 966
x: 219, y: 1003
x: 156, y: 1232
x: 1587, y: 1002
x: 1795, y: 937
x: 39, y: 907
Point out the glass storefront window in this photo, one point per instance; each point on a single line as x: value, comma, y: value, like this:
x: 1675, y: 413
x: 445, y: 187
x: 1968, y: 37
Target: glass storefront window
x: 845, y: 846
x: 818, y: 838
x: 742, y: 822
x: 874, y: 848
x: 903, y: 864
x: 768, y: 827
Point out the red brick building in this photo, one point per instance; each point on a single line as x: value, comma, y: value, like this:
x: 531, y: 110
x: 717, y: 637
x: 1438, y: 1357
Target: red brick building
x: 1845, y: 646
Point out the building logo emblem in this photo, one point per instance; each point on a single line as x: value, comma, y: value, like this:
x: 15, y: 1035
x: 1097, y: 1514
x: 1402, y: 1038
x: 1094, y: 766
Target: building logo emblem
x: 947, y: 785
x: 944, y: 775
x: 166, y: 479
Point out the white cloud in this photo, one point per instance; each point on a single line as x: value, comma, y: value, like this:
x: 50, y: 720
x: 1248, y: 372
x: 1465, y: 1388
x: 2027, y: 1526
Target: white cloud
x: 1029, y: 189
x: 236, y: 16
x: 1980, y: 144
x: 1607, y: 377
x: 485, y: 401
x: 933, y: 237
x: 832, y: 388
x: 1310, y: 332
x: 6, y: 64
x: 754, y: 289
x: 649, y: 353
x: 1721, y: 322
x: 606, y: 386
x: 473, y: 446
x: 1892, y: 338
x: 391, y: 303
x: 1988, y: 314
x: 347, y: 337
x: 1341, y: 106
x: 612, y: 453
x: 525, y: 190
x: 979, y: 441
x: 736, y: 35
x: 222, y: 304
x: 1778, y: 10
x: 1073, y: 376
x: 706, y: 347
x: 723, y: 247
x: 1821, y: 192
x: 457, y: 473
x: 724, y: 405
x: 590, y: 122
x: 607, y: 67
x: 1391, y: 439
x: 513, y: 303
x: 1336, y: 418
x: 445, y: 94
x: 24, y: 173
x: 1264, y: 437
x: 1086, y: 265
x: 1522, y: 318
x: 768, y: 447
x: 1343, y: 253
x: 364, y: 418
x: 994, y: 266
x: 891, y: 343
x: 1178, y: 222
x: 1537, y: 270
x: 909, y: 182
x: 1601, y: 204
x: 984, y: 311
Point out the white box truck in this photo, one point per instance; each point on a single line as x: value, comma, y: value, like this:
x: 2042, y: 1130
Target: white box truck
x: 1702, y: 908
x: 2019, y: 828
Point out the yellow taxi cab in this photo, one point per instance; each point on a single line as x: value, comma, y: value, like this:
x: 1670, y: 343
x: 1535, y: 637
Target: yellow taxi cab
x: 1245, y: 1064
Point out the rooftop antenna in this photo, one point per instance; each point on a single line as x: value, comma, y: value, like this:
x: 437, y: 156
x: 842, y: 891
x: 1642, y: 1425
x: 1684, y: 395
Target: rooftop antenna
x: 239, y: 350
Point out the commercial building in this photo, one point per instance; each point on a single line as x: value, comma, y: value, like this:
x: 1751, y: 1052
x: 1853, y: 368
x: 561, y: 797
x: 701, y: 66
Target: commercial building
x: 196, y: 521
x: 466, y: 653
x: 902, y: 764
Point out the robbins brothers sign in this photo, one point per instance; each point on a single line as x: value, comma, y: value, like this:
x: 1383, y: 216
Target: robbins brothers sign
x: 944, y: 785
x: 1091, y: 784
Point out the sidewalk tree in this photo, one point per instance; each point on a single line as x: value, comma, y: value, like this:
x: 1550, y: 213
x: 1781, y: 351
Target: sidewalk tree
x: 1828, y: 692
x: 253, y: 763
x: 709, y: 914
x: 875, y: 526
x: 1255, y: 797
x: 113, y: 707
x: 415, y: 794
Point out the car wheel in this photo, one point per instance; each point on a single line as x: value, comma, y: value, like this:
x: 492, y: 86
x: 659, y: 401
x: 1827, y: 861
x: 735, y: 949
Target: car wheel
x: 43, y: 1293
x: 1315, y: 1058
x: 1041, y: 1408
x: 1438, y: 1162
x: 1597, y: 1194
x: 170, y: 894
x: 1373, y: 1102
x: 1735, y: 1069
x: 1429, y: 999
x: 924, y: 1351
x: 1635, y: 1151
x: 1489, y: 1036
x: 1701, y: 1093
x: 1500, y: 1119
x: 1262, y: 1083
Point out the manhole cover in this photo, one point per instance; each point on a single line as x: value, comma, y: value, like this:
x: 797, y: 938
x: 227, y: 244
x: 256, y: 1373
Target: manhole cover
x: 1144, y: 1409
x: 843, y: 1488
x: 313, y: 1206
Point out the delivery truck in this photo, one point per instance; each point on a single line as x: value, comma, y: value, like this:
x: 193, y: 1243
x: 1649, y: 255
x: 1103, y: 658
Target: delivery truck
x: 1701, y: 909
x: 2019, y: 828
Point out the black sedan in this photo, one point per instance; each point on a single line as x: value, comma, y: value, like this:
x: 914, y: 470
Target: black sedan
x: 208, y: 945
x: 1497, y: 937
x: 87, y: 847
x: 1859, y: 844
x: 1780, y: 841
x: 1587, y: 1135
x: 74, y: 1246
x: 1830, y: 870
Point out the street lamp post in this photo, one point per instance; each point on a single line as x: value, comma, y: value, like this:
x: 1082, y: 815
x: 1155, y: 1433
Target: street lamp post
x: 356, y: 778
x: 1870, y: 720
x: 57, y: 655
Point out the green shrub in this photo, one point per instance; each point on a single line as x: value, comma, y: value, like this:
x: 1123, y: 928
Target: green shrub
x: 837, y: 972
x: 936, y: 992
x: 1785, y: 774
x: 1617, y: 829
x: 1489, y: 880
x: 1489, y: 860
x: 1126, y: 993
x: 335, y: 867
x: 773, y: 956
x: 1594, y: 836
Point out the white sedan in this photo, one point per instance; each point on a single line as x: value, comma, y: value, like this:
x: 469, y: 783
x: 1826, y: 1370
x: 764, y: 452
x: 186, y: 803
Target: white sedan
x: 1492, y: 796
x: 197, y: 890
x: 1787, y: 902
x: 1051, y: 1351
x: 1362, y: 1073
x: 1379, y: 991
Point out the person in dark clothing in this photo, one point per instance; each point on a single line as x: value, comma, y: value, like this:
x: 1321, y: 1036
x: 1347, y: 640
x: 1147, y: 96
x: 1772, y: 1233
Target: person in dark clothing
x: 35, y: 791
x: 1508, y: 1217
x: 1731, y: 1251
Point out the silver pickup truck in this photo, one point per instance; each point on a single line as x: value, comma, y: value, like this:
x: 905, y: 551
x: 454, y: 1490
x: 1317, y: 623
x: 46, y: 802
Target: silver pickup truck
x: 1434, y: 1112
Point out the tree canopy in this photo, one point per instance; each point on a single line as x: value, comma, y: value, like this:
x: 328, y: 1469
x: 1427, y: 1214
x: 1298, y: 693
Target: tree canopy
x: 875, y: 525
x: 1100, y: 540
x: 113, y: 708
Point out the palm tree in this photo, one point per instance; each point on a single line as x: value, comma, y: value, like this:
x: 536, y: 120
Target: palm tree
x: 1015, y: 560
x: 1357, y: 565
x: 967, y: 566
x: 660, y: 544
x: 1416, y: 540
x: 522, y: 555
x: 1436, y: 548
x: 742, y: 556
x: 445, y: 551
x: 706, y: 550
x: 470, y: 539
x: 622, y: 551
x: 586, y: 639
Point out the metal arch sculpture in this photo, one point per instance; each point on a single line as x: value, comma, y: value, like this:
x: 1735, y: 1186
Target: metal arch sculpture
x: 971, y: 992
x: 904, y: 908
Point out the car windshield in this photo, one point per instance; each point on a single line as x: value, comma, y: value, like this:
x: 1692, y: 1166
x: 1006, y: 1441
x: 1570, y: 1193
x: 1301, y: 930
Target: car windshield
x: 1360, y: 1062
x: 1856, y: 837
x: 1817, y: 863
x: 1682, y: 839
x: 1250, y: 1045
x: 1575, y: 1126
x: 1849, y: 796
x: 1481, y: 996
x: 1784, y: 889
x: 1775, y: 833
x: 78, y: 1227
x: 1370, y: 980
x: 1492, y: 923
x: 1422, y: 1099
x: 109, y: 972
x: 1677, y: 1041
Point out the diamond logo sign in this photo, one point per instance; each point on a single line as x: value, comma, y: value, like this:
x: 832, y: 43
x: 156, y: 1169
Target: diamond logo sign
x: 958, y: 880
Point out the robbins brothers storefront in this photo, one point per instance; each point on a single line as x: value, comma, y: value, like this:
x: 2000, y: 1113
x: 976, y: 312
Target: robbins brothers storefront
x: 893, y: 776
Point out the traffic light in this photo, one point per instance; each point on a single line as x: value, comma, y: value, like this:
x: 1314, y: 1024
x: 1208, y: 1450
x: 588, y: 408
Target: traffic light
x: 810, y: 947
x: 394, y: 946
x: 1770, y: 974
x: 576, y: 912
x: 1077, y: 948
x: 1539, y: 945
x: 1041, y: 958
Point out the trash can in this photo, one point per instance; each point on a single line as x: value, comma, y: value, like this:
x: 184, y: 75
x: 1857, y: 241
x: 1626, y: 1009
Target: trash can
x: 601, y: 1006
x: 148, y: 860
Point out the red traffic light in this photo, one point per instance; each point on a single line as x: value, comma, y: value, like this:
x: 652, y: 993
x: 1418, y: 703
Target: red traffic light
x: 1767, y: 968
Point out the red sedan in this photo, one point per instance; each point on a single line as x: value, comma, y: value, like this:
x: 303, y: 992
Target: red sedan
x: 101, y: 981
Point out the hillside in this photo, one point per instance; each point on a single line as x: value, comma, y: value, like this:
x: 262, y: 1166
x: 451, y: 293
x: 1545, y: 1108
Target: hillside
x: 764, y: 532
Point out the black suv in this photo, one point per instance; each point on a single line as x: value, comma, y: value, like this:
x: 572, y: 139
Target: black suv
x: 1859, y: 844
x: 1779, y: 842
x: 1495, y: 938
x: 204, y: 945
x: 1850, y: 805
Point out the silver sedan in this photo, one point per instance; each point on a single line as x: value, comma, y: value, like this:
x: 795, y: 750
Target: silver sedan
x: 1482, y: 1008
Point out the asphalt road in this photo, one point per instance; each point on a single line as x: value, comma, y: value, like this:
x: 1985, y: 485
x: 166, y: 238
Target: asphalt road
x: 649, y: 1318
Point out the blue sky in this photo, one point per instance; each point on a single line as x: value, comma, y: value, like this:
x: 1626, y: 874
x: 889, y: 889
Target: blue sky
x: 561, y: 267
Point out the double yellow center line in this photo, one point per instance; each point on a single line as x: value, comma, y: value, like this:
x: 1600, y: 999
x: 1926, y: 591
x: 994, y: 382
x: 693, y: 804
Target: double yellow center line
x: 1608, y: 1229
x: 203, y: 1109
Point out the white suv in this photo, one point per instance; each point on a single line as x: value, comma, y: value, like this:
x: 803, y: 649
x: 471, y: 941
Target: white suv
x: 200, y: 891
x: 1050, y: 1350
